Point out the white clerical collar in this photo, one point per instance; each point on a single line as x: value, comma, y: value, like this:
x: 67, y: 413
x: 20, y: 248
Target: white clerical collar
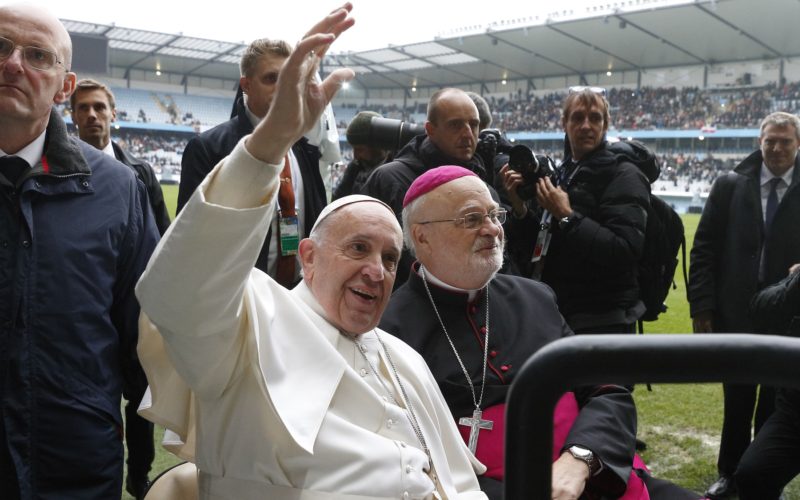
x: 109, y: 150
x: 767, y: 175
x: 441, y: 284
x: 31, y: 153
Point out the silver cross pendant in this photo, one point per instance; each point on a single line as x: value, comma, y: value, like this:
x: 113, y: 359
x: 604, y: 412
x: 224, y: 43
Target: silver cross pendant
x: 475, y: 424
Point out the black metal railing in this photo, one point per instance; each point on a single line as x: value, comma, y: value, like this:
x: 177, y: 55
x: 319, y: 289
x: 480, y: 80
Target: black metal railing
x: 626, y: 360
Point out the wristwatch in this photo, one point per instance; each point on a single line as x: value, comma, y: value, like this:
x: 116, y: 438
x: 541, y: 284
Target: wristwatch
x: 565, y: 222
x: 587, y: 456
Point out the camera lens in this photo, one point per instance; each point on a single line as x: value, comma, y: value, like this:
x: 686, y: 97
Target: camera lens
x: 521, y: 159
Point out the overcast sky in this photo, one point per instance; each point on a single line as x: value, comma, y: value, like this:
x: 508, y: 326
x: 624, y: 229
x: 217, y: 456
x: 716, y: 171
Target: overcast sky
x: 378, y: 22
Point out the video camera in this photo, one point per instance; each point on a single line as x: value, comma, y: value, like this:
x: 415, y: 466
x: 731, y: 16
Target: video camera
x: 390, y: 134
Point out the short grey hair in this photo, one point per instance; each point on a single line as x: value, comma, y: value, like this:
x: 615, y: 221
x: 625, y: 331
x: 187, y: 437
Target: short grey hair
x: 781, y: 119
x: 319, y: 233
x: 409, y: 213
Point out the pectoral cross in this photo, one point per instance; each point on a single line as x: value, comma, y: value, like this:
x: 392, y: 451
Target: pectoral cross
x: 475, y: 424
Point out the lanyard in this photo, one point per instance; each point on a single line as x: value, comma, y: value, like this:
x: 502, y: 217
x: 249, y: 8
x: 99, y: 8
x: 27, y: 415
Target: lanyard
x: 546, y: 224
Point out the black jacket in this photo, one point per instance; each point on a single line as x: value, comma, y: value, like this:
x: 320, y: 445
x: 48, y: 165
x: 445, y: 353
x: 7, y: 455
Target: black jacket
x: 726, y: 255
x: 776, y: 310
x: 203, y: 152
x: 154, y: 194
x: 81, y: 234
x: 353, y: 180
x: 592, y: 265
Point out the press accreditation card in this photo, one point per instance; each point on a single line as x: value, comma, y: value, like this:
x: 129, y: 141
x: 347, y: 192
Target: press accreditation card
x: 542, y: 243
x: 290, y: 235
x: 542, y: 239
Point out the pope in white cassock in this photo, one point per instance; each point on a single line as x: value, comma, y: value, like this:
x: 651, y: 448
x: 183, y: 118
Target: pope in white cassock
x: 291, y: 394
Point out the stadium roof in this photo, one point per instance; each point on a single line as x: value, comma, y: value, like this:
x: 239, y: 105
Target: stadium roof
x: 611, y: 36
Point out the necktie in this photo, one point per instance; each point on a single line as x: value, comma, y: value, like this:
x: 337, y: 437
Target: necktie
x: 13, y: 167
x: 286, y: 263
x: 772, y: 203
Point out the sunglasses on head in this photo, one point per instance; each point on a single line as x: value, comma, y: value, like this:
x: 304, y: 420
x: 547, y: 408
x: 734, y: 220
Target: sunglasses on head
x: 582, y: 88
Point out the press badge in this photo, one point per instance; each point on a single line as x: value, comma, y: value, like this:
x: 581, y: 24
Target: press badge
x: 289, y: 230
x: 542, y: 243
x: 543, y: 239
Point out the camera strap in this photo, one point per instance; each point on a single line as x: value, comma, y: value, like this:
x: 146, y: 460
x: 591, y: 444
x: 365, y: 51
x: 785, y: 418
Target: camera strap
x: 546, y: 225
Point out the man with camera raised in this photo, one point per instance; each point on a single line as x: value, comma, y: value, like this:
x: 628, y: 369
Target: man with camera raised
x: 587, y: 238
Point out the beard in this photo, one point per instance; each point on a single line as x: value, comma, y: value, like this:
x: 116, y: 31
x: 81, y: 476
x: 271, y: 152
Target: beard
x: 486, y: 264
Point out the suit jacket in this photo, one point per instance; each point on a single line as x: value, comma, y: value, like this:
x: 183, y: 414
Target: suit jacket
x: 203, y: 152
x: 145, y: 173
x: 280, y: 396
x: 730, y: 239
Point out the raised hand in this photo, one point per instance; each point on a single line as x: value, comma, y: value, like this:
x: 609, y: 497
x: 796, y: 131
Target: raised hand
x: 300, y: 98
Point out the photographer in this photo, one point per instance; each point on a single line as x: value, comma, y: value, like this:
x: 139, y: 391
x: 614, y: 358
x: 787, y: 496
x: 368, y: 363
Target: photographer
x: 366, y: 157
x: 586, y: 230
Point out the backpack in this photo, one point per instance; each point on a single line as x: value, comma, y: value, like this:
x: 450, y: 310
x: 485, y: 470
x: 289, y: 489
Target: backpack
x: 663, y: 236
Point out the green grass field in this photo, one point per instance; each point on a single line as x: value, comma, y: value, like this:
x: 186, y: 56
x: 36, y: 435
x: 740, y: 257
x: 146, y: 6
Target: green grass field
x: 170, y: 198
x: 680, y: 423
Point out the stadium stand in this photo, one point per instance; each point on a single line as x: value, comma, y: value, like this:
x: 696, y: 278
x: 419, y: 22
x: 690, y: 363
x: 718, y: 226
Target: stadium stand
x: 685, y: 167
x: 696, y: 104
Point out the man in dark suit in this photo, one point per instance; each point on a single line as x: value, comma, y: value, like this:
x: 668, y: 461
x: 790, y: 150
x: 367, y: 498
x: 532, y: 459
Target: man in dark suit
x: 93, y: 110
x: 298, y: 206
x: 746, y: 239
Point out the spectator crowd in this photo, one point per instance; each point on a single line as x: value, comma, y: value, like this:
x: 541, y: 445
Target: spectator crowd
x: 651, y: 108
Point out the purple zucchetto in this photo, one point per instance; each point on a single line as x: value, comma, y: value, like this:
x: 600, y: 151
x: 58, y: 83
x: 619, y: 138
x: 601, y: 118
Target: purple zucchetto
x: 432, y: 179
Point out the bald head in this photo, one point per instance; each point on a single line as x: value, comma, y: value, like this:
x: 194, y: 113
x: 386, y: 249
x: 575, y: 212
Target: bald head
x: 452, y: 124
x: 25, y: 113
x: 40, y: 20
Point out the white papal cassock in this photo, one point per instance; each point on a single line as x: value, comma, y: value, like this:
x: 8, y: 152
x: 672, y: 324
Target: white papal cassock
x: 268, y: 398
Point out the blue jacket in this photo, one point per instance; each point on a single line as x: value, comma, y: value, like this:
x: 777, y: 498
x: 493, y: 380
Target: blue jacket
x: 68, y: 318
